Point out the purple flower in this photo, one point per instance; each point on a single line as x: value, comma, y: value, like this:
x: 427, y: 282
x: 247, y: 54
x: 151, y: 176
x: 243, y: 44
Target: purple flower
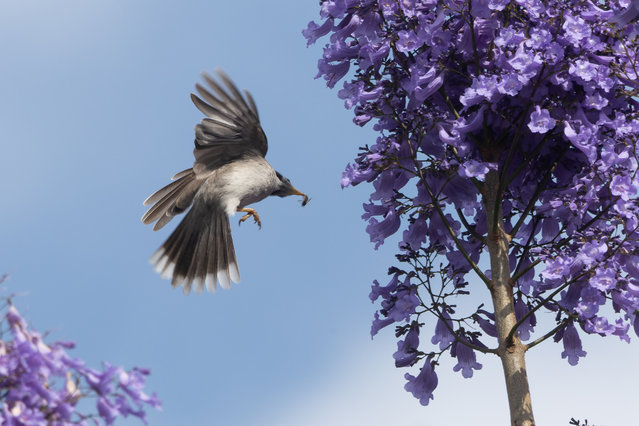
x: 373, y: 53
x: 508, y: 36
x: 354, y: 93
x: 526, y: 62
x: 541, y: 121
x: 621, y: 330
x: 407, y: 349
x: 553, y: 53
x: 590, y: 300
x: 314, y: 31
x: 333, y: 8
x: 487, y: 325
x: 101, y: 382
x: 40, y: 380
x: 604, y: 279
x: 510, y: 84
x: 557, y: 268
x: 600, y: 325
x: 576, y: 29
x: 592, y: 252
x: 357, y: 173
x: 583, y: 69
x: 622, y: 186
x: 423, y: 385
x: 443, y: 336
x: 534, y: 7
x: 107, y: 411
x: 539, y: 38
x: 632, y: 266
x: 581, y: 137
x: 481, y: 8
x: 386, y: 291
x: 450, y: 86
x: 466, y: 360
x: 332, y: 72
x: 627, y: 15
x: 595, y: 101
x: 389, y: 7
x: 572, y: 345
x: 380, y: 230
x: 132, y: 383
x: 483, y: 88
x: 425, y: 89
x: 415, y: 235
x: 474, y: 168
x: 405, y: 304
x: 498, y: 4
x: 387, y: 184
x: 528, y: 326
x: 379, y: 323
x: 408, y: 41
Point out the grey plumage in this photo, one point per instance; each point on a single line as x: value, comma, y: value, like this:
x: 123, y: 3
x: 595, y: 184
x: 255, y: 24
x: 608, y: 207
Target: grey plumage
x: 228, y: 174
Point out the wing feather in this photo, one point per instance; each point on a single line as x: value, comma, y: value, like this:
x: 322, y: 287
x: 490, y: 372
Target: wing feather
x: 252, y: 103
x: 231, y: 129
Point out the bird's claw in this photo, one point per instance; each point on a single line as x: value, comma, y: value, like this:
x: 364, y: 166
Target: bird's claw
x: 249, y: 213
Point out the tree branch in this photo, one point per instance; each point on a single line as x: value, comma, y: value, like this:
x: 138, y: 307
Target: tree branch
x: 514, y: 145
x: 547, y: 335
x: 566, y: 284
x: 526, y: 162
x: 463, y: 220
x: 525, y: 251
x: 450, y: 329
x: 456, y: 240
x: 535, y: 197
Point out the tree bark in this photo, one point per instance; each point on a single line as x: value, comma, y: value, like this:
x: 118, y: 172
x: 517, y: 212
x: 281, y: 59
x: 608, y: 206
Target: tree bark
x: 511, y: 353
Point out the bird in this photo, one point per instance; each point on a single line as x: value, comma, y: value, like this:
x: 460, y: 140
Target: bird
x: 229, y: 173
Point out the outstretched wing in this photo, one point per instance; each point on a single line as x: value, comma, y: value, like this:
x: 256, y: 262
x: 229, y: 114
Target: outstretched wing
x: 231, y: 129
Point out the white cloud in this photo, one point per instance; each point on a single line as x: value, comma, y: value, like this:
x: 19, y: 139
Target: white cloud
x: 366, y: 389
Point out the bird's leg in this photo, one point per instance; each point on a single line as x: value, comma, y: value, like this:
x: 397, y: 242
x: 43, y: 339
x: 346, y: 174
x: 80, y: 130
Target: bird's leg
x: 249, y: 213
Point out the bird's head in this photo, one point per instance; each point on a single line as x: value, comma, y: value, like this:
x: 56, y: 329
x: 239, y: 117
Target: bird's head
x: 286, y: 188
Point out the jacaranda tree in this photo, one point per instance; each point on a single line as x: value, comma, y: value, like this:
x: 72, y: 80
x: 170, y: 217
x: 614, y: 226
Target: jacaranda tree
x: 507, y: 158
x: 40, y: 384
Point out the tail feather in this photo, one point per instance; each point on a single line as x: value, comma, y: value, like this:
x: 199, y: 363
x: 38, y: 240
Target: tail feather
x: 199, y: 252
x: 226, y: 240
x: 184, y: 259
x: 162, y: 256
x: 178, y: 180
x: 181, y: 174
x: 172, y: 199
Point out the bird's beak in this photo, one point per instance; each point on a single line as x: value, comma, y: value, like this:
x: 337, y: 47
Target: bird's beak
x: 295, y: 191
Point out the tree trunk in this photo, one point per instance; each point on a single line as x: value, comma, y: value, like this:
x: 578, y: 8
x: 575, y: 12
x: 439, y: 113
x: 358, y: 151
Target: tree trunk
x: 511, y: 353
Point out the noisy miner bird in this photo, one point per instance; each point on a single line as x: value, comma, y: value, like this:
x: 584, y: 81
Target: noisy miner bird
x: 229, y: 173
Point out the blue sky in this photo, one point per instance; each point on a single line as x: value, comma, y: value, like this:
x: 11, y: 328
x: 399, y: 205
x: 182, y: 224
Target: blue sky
x: 95, y: 115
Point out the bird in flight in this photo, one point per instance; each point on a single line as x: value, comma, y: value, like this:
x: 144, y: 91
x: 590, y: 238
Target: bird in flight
x: 229, y: 173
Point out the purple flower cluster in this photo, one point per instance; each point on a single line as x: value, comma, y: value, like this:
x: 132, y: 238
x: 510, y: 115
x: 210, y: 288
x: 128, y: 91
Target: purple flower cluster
x: 544, y: 94
x: 42, y: 385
